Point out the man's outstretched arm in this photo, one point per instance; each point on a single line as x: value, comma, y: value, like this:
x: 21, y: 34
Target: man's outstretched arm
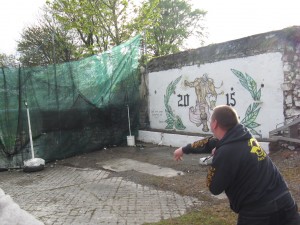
x: 205, y: 145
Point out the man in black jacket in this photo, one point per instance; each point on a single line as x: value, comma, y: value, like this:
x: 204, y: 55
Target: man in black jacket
x: 255, y: 188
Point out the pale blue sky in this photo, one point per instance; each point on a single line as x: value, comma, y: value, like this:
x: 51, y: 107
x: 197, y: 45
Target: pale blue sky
x: 14, y: 16
x: 234, y: 19
x: 226, y: 19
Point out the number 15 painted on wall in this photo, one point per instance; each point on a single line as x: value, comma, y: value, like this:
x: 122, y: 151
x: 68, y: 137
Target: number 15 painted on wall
x: 230, y: 98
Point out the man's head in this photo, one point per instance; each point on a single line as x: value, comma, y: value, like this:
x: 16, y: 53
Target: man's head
x: 223, y: 118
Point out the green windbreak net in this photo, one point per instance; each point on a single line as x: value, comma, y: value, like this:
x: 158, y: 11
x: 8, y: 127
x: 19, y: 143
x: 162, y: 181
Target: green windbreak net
x: 74, y: 107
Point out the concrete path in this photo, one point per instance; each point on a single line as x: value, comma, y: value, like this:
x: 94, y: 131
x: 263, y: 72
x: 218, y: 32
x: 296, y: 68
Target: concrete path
x: 120, y: 165
x: 65, y: 195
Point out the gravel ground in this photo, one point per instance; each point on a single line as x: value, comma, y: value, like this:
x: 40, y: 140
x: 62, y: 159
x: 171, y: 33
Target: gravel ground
x: 193, y: 182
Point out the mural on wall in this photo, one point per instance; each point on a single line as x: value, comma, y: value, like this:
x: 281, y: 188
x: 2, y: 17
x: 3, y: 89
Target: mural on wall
x: 253, y: 109
x: 206, y: 100
x: 182, y: 99
x: 206, y: 93
x: 173, y: 121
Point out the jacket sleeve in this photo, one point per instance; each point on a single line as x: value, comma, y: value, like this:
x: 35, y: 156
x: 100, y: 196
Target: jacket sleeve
x: 205, y: 145
x: 221, y: 172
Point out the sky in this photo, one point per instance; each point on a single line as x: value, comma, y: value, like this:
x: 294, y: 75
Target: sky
x: 225, y: 20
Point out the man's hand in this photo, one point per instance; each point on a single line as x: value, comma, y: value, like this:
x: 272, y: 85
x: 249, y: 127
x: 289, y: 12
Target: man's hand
x: 178, y: 153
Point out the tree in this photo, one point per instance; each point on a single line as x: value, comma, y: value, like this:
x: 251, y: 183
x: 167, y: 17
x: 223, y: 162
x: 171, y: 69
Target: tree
x: 8, y: 60
x: 43, y: 46
x: 100, y: 24
x: 46, y: 43
x: 174, y: 21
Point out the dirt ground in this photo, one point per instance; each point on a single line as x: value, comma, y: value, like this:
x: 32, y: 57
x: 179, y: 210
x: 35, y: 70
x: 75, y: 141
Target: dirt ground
x: 193, y: 182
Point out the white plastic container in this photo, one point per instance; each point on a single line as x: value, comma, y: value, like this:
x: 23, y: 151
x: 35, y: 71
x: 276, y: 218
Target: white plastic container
x: 130, y: 141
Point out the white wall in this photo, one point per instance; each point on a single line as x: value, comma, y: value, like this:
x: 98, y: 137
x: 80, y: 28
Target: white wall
x: 264, y: 72
x: 177, y: 140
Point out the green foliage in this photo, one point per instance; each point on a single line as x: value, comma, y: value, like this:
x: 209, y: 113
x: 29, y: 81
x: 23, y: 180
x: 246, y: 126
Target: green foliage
x: 169, y: 23
x: 47, y: 42
x: 172, y: 120
x: 88, y: 27
x: 8, y: 60
x: 100, y: 25
x: 40, y: 45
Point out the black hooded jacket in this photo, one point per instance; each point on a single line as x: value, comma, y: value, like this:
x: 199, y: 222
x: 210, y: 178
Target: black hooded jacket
x: 205, y: 145
x: 242, y: 169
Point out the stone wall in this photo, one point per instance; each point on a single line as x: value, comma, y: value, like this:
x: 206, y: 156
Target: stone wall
x: 286, y: 41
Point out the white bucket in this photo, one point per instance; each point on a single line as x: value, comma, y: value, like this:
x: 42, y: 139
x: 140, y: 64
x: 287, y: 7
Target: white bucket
x: 130, y: 141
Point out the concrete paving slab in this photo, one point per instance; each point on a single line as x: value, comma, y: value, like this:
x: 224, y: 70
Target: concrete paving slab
x: 64, y: 195
x: 123, y: 164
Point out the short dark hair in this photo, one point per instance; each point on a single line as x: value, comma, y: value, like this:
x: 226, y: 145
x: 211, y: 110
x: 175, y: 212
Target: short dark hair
x: 226, y: 116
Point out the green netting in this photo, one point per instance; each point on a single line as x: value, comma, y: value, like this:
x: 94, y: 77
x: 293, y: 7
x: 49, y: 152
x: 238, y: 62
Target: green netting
x: 74, y: 107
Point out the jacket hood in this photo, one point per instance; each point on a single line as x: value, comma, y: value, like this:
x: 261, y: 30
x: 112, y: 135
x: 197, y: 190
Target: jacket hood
x: 238, y: 133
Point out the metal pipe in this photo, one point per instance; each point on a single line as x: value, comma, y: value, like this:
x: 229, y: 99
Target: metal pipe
x: 129, y: 120
x: 30, y: 134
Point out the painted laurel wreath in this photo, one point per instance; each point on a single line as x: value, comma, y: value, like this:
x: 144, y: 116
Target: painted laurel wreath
x: 172, y: 120
x: 253, y: 109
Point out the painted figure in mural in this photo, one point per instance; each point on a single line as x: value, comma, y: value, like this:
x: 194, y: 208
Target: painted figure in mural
x: 206, y: 100
x: 240, y: 167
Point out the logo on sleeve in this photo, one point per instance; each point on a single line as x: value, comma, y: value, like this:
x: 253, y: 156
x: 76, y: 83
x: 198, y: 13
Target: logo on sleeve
x: 256, y: 149
x: 210, y: 174
x: 200, y: 143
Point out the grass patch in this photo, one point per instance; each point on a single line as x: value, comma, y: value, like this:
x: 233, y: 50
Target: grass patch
x: 207, y: 216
